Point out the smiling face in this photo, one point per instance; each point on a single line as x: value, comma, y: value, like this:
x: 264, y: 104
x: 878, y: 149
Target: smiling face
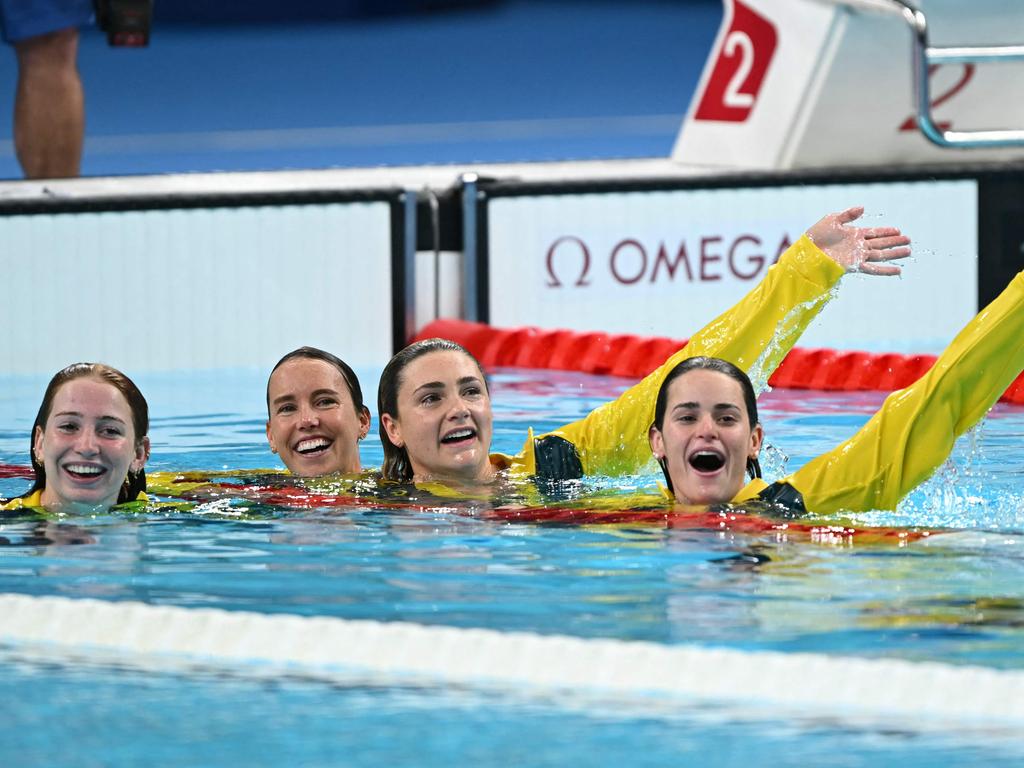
x: 313, y: 424
x: 444, y: 418
x: 706, y: 437
x: 87, y: 446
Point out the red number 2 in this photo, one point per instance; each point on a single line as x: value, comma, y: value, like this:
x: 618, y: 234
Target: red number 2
x: 910, y: 124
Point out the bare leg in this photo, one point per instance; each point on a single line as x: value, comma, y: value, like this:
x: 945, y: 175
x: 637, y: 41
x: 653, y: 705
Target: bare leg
x: 49, y: 108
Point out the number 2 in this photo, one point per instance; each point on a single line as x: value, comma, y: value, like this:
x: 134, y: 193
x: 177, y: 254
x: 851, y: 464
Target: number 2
x: 910, y: 124
x: 739, y: 42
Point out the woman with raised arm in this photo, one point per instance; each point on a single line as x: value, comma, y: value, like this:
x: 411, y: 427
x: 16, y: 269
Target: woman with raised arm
x: 435, y: 411
x: 707, y: 437
x: 89, y: 443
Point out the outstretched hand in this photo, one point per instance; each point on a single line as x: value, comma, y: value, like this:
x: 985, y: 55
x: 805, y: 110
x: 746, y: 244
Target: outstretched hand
x: 859, y: 249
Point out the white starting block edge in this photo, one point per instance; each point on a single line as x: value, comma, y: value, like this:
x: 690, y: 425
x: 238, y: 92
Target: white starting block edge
x: 825, y: 83
x: 917, y: 695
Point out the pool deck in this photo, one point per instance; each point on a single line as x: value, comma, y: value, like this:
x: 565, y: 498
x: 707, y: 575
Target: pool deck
x: 519, y: 81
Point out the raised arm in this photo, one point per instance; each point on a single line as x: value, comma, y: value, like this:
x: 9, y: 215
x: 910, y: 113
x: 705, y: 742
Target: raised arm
x: 762, y: 328
x: 755, y: 335
x: 914, y: 430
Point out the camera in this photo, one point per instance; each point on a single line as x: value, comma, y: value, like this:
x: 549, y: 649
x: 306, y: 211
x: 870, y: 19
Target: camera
x: 126, y: 22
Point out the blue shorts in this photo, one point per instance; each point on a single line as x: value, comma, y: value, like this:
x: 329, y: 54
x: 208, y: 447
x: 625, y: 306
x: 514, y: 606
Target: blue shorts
x: 22, y: 19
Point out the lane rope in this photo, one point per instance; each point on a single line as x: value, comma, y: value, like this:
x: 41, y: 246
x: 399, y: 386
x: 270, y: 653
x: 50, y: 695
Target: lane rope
x: 634, y: 356
x: 331, y: 649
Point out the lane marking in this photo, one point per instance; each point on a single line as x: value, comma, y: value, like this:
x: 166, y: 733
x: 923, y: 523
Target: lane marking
x: 399, y: 134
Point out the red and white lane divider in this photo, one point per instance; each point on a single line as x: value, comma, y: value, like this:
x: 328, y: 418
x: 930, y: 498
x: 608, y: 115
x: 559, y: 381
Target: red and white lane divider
x: 636, y: 356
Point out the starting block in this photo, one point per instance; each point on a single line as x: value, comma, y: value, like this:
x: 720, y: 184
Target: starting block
x: 813, y: 83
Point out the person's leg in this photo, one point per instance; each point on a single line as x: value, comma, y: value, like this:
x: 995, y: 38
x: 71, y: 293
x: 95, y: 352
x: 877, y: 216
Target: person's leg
x: 49, y: 108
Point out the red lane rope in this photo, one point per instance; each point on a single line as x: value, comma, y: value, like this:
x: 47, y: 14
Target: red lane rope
x: 16, y: 470
x: 636, y: 356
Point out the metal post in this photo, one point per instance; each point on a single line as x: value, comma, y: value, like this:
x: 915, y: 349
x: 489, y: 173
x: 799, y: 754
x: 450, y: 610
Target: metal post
x: 409, y: 265
x: 470, y: 285
x: 925, y: 55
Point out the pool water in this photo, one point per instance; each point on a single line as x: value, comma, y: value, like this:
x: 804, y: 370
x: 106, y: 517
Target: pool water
x: 88, y: 716
x: 955, y: 595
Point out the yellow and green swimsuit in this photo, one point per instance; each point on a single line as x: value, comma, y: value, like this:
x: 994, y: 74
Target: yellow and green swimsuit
x: 35, y: 501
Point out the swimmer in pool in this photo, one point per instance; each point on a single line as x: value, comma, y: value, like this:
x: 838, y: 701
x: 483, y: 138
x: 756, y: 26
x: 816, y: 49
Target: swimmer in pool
x: 435, y: 410
x: 707, y: 438
x: 315, y: 413
x: 89, y: 443
x: 315, y: 421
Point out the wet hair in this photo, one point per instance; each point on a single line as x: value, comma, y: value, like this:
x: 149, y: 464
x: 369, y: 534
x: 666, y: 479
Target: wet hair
x: 397, y: 465
x: 312, y: 353
x: 718, y: 365
x: 134, y: 482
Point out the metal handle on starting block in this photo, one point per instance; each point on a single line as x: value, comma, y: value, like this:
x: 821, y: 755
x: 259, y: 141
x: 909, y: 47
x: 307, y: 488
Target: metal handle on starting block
x: 926, y: 55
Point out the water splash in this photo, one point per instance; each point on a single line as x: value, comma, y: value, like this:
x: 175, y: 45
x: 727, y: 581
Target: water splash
x: 773, y: 461
x: 786, y: 334
x: 966, y: 492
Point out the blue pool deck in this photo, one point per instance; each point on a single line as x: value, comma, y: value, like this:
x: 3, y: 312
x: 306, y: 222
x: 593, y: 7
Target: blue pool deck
x: 507, y: 82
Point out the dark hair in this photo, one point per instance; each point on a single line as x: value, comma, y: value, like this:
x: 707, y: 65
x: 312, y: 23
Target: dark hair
x: 718, y: 365
x: 396, y: 459
x: 135, y: 482
x: 312, y: 353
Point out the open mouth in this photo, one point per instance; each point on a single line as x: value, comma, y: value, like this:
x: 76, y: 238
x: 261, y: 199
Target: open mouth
x: 313, y: 446
x: 459, y: 436
x: 707, y: 461
x: 84, y: 471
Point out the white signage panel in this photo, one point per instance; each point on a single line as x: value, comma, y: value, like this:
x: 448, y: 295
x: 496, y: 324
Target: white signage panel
x: 196, y: 288
x: 666, y: 263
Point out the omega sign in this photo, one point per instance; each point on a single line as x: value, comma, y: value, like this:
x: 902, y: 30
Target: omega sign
x: 572, y: 263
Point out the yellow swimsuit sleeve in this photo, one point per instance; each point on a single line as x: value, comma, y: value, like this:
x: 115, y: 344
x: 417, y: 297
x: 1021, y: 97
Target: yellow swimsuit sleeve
x: 32, y: 501
x: 165, y: 483
x: 914, y: 430
x: 35, y: 501
x: 612, y: 439
x: 750, y: 490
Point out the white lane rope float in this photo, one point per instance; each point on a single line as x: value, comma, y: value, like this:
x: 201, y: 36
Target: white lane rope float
x: 332, y: 649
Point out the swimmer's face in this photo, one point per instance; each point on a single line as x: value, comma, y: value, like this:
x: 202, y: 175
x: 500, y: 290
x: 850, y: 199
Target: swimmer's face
x: 87, y: 446
x: 314, y: 425
x: 444, y: 418
x: 706, y: 437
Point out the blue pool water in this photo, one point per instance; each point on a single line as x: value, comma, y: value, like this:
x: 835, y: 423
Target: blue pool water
x: 82, y: 716
x: 954, y: 596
